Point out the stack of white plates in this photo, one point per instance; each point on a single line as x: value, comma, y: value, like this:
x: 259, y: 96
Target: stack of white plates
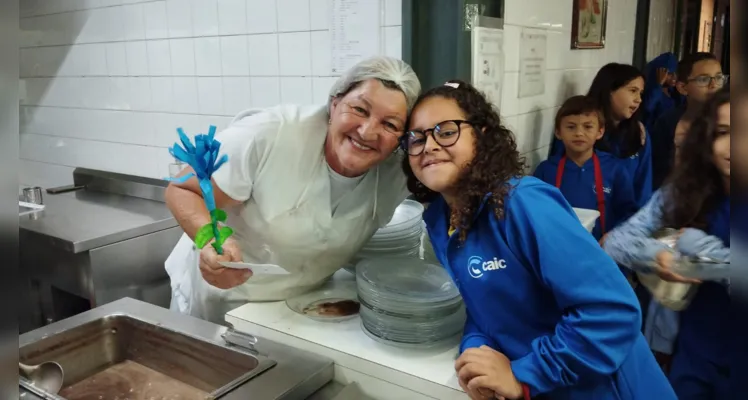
x: 427, y: 249
x: 400, y: 237
x: 407, y: 302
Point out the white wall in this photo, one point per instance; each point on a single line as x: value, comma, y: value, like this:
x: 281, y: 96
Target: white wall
x: 662, y: 23
x: 105, y: 83
x: 568, y: 72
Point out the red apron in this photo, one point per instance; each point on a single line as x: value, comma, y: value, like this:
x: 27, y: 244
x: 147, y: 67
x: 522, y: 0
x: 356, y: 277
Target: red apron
x: 598, y: 186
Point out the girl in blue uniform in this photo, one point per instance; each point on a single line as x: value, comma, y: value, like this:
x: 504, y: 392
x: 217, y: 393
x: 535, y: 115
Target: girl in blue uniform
x: 588, y: 178
x: 548, y: 311
x: 695, y: 198
x: 618, y: 88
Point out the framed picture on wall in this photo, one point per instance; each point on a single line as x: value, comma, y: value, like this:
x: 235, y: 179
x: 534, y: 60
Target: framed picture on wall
x: 588, y: 24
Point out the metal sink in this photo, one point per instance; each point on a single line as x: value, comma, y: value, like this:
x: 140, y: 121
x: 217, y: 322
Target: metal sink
x: 110, y: 350
x: 131, y: 349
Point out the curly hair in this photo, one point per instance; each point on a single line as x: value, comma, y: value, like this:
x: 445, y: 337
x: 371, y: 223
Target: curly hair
x: 496, y: 157
x: 695, y: 184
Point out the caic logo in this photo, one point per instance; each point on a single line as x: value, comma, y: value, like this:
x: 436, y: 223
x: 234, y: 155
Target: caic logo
x: 606, y: 189
x: 476, y: 265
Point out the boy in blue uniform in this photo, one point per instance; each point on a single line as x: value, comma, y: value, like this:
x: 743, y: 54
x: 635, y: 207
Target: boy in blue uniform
x: 699, y: 78
x: 548, y: 311
x: 618, y: 89
x: 588, y: 178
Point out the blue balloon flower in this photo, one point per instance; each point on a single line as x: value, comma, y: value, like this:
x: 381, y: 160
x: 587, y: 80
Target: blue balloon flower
x: 203, y: 157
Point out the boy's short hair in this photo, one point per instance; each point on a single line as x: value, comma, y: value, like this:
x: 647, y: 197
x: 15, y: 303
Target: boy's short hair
x: 685, y: 66
x: 579, y: 105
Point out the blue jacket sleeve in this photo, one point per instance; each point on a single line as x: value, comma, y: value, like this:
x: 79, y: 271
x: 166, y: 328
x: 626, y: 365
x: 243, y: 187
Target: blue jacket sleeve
x: 695, y: 242
x: 624, y: 203
x: 643, y: 175
x: 473, y: 337
x: 601, y: 317
x: 653, y: 97
x: 631, y: 243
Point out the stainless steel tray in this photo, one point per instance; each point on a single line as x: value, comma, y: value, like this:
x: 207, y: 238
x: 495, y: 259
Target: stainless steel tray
x: 115, y: 339
x: 217, y: 361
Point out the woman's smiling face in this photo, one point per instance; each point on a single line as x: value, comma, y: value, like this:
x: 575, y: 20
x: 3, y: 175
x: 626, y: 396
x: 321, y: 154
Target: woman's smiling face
x: 365, y: 125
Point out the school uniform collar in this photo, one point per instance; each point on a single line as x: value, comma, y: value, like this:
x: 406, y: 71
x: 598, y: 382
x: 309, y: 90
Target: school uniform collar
x: 439, y: 210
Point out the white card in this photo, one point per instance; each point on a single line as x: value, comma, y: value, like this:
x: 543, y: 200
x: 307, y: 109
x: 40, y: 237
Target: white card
x: 257, y: 269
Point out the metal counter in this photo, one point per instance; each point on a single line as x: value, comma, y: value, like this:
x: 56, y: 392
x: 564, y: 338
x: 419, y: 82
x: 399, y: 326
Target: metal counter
x: 296, y: 375
x: 96, y: 245
x: 84, y: 220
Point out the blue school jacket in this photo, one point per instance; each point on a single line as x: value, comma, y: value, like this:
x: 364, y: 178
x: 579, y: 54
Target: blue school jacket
x: 539, y: 289
x: 663, y: 146
x: 578, y: 187
x: 639, y: 167
x: 701, y: 363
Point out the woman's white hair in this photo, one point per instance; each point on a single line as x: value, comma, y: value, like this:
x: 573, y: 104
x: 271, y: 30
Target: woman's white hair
x: 383, y: 68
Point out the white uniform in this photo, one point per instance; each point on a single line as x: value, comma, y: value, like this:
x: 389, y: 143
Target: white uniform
x: 277, y: 168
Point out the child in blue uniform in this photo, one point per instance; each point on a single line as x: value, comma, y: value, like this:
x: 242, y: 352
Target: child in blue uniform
x: 660, y: 94
x: 618, y: 89
x: 588, y: 178
x: 548, y: 311
x: 699, y: 78
x: 695, y: 198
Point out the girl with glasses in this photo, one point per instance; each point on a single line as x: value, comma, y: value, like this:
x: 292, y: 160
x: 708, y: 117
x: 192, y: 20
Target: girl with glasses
x: 549, y: 313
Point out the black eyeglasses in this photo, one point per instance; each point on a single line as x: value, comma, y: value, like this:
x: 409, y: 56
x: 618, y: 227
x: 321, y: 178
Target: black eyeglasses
x: 445, y: 133
x: 704, y: 80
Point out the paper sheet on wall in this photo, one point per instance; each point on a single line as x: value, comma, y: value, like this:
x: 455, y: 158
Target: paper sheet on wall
x: 487, y: 53
x: 532, y: 59
x: 355, y: 32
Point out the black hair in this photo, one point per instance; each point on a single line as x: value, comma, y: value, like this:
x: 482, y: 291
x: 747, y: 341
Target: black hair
x: 623, y: 140
x: 685, y: 66
x: 496, y: 160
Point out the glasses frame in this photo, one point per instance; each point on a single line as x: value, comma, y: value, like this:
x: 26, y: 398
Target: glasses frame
x: 430, y: 131
x: 725, y: 80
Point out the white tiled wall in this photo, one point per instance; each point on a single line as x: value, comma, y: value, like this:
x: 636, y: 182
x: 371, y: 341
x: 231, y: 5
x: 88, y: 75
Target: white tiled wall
x: 568, y: 72
x: 105, y: 83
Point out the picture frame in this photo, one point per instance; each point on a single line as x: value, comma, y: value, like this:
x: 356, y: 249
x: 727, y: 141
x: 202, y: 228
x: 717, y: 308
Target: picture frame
x: 589, y: 22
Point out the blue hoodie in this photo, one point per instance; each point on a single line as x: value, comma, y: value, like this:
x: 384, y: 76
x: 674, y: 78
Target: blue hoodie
x: 539, y: 289
x: 578, y: 187
x: 655, y: 101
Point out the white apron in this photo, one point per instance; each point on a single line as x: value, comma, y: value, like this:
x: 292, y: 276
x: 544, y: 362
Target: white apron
x: 288, y: 222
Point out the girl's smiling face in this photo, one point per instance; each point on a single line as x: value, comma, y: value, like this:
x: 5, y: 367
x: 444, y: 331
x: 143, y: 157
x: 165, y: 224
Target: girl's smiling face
x: 439, y: 168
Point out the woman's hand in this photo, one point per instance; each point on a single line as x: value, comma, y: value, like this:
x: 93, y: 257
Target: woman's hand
x: 216, y: 274
x: 665, y: 260
x: 486, y: 372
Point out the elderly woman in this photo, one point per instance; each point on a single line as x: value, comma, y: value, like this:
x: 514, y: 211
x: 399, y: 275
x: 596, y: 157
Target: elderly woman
x: 305, y: 187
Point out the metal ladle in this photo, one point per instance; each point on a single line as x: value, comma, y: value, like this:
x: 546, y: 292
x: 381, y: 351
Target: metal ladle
x: 47, y: 376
